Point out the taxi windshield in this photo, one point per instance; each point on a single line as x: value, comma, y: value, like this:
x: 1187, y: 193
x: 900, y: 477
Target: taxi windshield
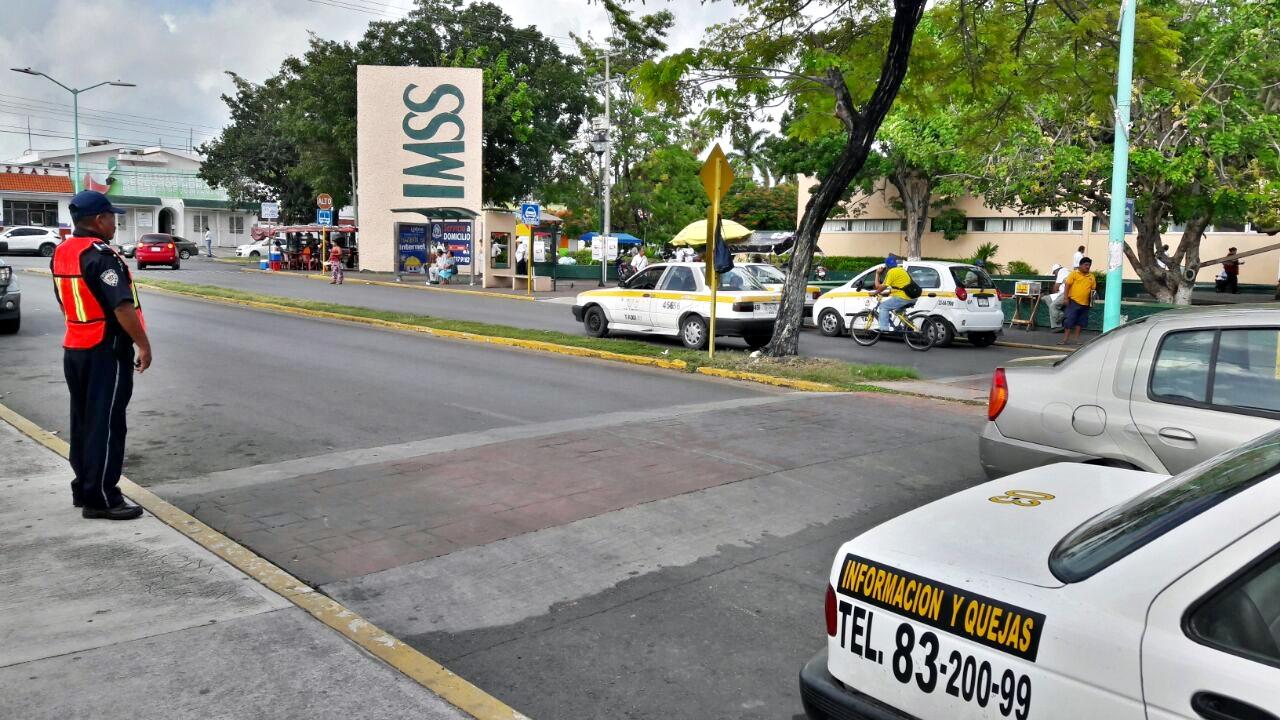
x: 1116, y: 533
x: 768, y: 274
x: 972, y: 278
x: 738, y: 279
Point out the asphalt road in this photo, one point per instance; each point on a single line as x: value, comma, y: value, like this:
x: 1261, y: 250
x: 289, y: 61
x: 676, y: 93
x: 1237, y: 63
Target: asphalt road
x: 957, y: 361
x: 580, y: 539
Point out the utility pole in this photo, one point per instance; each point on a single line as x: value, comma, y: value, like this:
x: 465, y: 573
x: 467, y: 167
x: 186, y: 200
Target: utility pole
x: 608, y: 166
x: 1120, y: 169
x: 75, y: 109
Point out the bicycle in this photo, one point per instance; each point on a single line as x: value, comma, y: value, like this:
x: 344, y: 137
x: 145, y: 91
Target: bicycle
x: 914, y: 326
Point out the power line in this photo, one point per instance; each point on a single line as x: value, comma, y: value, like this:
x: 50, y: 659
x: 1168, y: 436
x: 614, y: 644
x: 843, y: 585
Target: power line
x: 91, y: 123
x: 25, y: 107
x: 83, y: 110
x: 23, y: 131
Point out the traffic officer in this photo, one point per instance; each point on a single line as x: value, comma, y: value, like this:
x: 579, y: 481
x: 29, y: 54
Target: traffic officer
x: 104, y: 323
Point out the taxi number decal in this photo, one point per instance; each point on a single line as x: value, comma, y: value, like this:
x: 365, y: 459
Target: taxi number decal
x: 1022, y: 498
x: 966, y: 677
x: 983, y: 620
x: 670, y: 304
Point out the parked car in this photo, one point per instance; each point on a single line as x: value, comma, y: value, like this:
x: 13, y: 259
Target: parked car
x: 30, y: 239
x: 772, y: 278
x: 960, y: 297
x: 186, y: 248
x: 1161, y: 393
x: 10, y: 297
x: 673, y: 299
x: 126, y: 249
x: 1065, y: 592
x: 254, y: 249
x: 157, y: 249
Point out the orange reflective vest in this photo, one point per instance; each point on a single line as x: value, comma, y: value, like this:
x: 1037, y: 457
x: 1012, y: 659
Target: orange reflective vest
x: 85, y: 317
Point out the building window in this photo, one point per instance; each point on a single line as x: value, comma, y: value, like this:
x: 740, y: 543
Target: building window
x: 237, y: 224
x: 1228, y: 227
x: 977, y: 224
x: 122, y: 222
x: 1100, y: 224
x: 23, y: 212
x: 1077, y: 224
x: 1059, y: 225
x: 876, y: 226
x: 835, y: 226
x: 200, y: 222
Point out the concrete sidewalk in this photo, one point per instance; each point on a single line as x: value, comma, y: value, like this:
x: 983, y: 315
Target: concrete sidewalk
x: 103, y: 619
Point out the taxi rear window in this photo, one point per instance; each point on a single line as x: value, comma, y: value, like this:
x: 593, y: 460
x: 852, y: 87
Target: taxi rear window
x: 971, y: 278
x: 1114, y: 534
x: 738, y: 279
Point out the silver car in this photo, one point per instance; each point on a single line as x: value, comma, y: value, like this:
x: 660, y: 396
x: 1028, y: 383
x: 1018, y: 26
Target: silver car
x: 1160, y: 394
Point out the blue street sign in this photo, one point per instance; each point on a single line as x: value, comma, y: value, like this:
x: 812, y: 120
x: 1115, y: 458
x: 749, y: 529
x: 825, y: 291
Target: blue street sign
x: 1128, y: 215
x: 324, y: 217
x: 530, y: 214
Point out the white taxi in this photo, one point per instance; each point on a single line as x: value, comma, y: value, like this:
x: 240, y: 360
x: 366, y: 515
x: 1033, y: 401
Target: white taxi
x: 1067, y: 591
x: 961, y: 297
x: 673, y: 299
x: 773, y: 278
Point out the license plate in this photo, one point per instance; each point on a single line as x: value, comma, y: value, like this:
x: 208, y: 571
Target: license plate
x: 767, y: 307
x: 984, y: 302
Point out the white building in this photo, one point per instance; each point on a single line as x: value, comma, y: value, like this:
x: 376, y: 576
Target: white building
x: 159, y: 187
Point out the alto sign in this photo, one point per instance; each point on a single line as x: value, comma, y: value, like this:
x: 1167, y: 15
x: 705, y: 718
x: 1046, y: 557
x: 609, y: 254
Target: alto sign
x: 324, y: 201
x: 418, y: 148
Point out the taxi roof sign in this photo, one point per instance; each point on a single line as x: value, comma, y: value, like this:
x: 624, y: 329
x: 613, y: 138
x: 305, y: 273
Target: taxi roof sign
x: 708, y: 174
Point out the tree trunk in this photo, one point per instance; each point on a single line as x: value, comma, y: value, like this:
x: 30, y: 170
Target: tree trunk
x: 915, y: 190
x: 861, y: 126
x: 1164, y: 275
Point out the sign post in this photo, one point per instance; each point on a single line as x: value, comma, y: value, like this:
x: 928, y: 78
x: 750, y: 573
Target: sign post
x: 716, y: 177
x: 530, y: 214
x: 1120, y: 170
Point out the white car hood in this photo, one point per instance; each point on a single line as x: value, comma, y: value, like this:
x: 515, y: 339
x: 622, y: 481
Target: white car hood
x: 969, y: 533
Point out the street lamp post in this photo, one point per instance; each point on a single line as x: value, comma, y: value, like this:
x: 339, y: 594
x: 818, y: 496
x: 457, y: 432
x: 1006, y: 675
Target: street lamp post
x: 75, y: 110
x: 600, y: 145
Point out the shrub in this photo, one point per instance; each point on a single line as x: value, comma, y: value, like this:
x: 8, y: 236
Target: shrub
x: 1018, y: 267
x: 951, y: 223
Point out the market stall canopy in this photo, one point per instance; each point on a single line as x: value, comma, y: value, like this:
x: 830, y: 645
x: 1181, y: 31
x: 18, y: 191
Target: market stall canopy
x: 695, y: 233
x: 441, y: 213
x: 623, y: 238
x: 765, y: 241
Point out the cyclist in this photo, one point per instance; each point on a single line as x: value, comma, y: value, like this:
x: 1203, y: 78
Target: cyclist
x: 894, y: 279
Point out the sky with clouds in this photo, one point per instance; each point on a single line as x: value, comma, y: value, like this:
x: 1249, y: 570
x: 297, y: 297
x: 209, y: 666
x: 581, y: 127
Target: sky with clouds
x: 177, y: 52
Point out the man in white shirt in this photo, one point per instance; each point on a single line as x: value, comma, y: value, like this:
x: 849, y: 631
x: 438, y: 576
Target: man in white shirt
x: 1075, y: 259
x: 208, y: 241
x: 638, y: 260
x: 1057, y: 300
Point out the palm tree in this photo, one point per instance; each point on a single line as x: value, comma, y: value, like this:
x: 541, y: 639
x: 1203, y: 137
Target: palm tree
x: 750, y: 150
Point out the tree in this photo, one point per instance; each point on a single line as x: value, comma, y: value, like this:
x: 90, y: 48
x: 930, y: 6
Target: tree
x: 535, y: 95
x: 1204, y: 140
x: 762, y: 208
x: 666, y: 184
x: 774, y: 54
x: 254, y: 159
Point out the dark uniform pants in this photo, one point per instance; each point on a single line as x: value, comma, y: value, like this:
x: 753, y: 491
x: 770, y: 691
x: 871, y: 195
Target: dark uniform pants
x: 101, y: 383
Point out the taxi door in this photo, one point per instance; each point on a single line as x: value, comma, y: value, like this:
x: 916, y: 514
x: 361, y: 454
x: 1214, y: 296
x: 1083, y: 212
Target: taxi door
x: 1212, y: 645
x: 635, y: 304
x: 856, y: 296
x: 676, y: 294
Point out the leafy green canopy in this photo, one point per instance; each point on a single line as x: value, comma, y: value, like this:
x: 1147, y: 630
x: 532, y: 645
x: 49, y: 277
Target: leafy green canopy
x: 535, y: 100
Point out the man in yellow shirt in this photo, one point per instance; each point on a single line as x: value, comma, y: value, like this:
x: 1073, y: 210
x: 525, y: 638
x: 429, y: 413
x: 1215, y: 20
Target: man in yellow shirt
x: 892, y: 278
x: 1080, y: 286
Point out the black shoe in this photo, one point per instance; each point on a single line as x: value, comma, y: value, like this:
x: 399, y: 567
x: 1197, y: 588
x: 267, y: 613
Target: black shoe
x: 77, y: 502
x: 123, y: 511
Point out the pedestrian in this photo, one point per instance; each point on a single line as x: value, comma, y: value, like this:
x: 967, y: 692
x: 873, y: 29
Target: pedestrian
x: 208, y: 241
x: 522, y: 253
x: 1058, y: 298
x: 1232, y: 267
x: 1075, y: 259
x: 104, y: 323
x: 277, y: 255
x: 445, y: 266
x: 1080, y: 286
x: 639, y: 260
x: 335, y: 264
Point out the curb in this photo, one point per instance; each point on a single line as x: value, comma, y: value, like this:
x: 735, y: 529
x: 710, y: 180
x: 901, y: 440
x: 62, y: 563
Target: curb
x: 805, y: 385
x: 1033, y: 346
x: 413, y: 664
x: 402, y: 286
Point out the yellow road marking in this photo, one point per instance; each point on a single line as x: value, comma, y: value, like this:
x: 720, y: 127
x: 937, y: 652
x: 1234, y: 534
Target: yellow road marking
x: 418, y: 667
x: 403, y: 286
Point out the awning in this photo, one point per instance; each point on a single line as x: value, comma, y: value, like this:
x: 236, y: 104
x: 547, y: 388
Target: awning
x: 623, y: 238
x: 214, y: 205
x: 441, y: 213
x: 134, y: 200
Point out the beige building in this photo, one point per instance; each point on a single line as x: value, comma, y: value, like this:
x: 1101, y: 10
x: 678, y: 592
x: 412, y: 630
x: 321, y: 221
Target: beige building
x: 869, y: 226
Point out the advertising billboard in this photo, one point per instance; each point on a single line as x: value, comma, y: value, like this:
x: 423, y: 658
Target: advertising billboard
x: 418, y: 146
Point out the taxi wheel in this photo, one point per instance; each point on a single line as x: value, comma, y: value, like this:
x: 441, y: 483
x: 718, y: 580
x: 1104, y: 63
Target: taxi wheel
x: 982, y: 339
x: 693, y: 332
x: 830, y: 324
x: 596, y: 323
x: 941, y: 331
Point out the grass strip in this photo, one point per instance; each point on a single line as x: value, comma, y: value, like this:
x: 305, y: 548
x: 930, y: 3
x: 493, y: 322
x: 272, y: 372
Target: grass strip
x: 842, y: 375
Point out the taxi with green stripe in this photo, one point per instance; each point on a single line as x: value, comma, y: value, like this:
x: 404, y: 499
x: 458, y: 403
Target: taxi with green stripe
x: 674, y: 300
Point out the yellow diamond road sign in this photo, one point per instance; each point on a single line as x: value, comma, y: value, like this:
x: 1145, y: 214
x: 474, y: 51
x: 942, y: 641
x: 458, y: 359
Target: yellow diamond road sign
x: 708, y: 174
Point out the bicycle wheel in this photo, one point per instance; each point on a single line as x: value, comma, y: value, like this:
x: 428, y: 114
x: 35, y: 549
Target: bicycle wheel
x: 864, y: 328
x: 923, y: 336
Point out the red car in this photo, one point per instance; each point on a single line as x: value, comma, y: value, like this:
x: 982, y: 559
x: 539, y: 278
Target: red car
x: 157, y: 249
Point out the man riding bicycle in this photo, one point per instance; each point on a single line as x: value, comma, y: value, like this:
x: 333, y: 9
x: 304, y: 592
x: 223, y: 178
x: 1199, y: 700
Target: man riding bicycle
x: 894, y: 279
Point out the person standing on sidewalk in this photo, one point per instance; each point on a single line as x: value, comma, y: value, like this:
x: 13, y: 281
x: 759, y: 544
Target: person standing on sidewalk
x: 208, y: 241
x: 335, y: 264
x: 104, y: 322
x: 1058, y: 298
x: 1080, y: 286
x: 1075, y: 259
x: 1231, y: 266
